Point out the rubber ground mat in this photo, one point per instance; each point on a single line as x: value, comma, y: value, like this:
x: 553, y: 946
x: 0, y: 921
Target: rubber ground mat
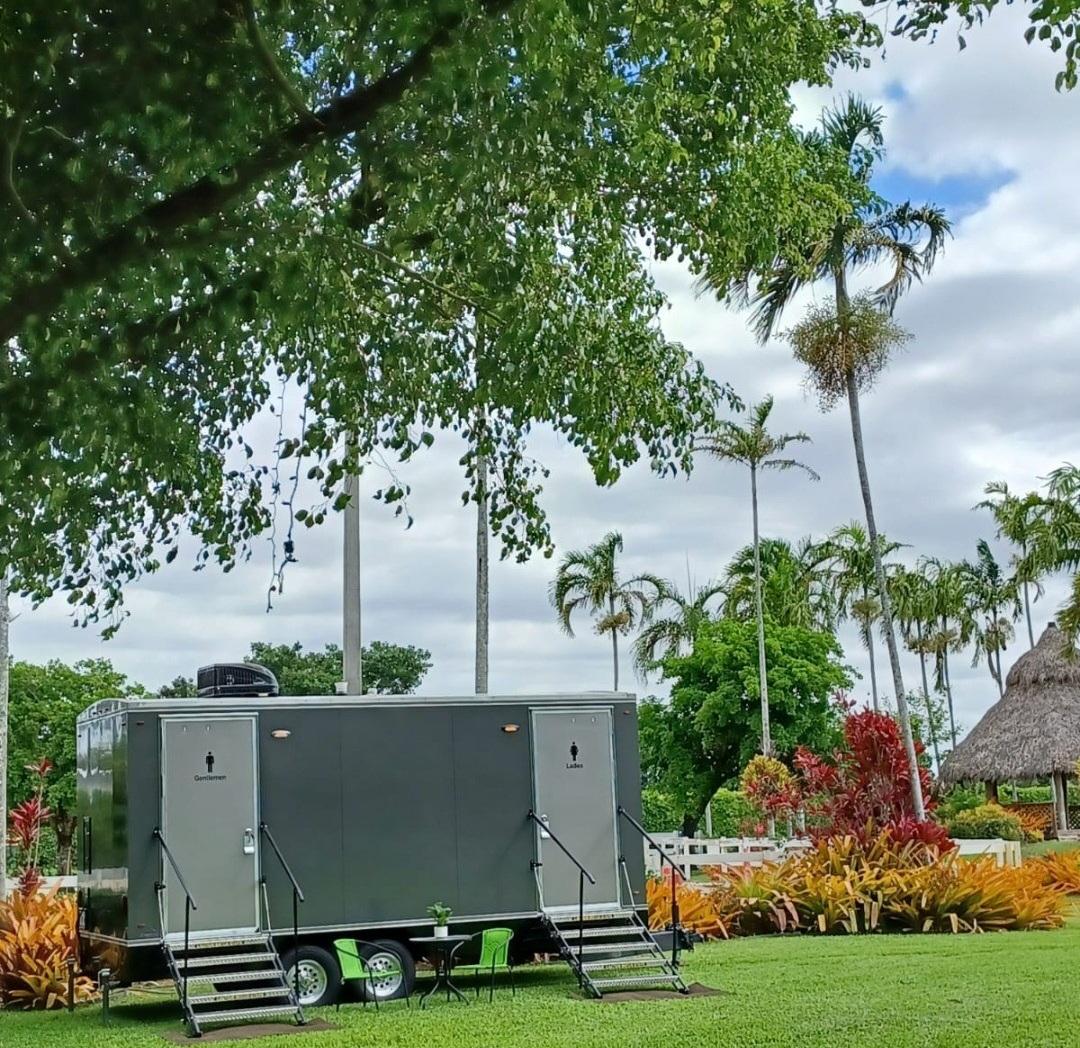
x: 694, y: 990
x: 250, y: 1032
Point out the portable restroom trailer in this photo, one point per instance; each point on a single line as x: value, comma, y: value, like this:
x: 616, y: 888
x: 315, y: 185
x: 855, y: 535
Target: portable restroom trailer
x: 376, y: 806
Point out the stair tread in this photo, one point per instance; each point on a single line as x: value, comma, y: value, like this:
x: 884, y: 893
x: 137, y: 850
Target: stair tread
x: 643, y: 960
x: 231, y: 1014
x: 218, y: 960
x: 620, y: 931
x: 638, y: 980
x: 229, y: 977
x: 251, y: 994
x: 221, y: 943
x: 611, y: 947
x: 595, y: 915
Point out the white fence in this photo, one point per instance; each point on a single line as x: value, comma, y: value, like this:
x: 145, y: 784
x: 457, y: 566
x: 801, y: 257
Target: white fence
x: 48, y: 883
x: 689, y: 853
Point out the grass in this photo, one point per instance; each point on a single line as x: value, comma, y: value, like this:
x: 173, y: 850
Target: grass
x: 1046, y: 847
x: 1012, y: 988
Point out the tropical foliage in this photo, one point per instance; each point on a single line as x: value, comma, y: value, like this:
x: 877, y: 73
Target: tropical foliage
x: 844, y: 886
x: 37, y: 939
x: 389, y: 669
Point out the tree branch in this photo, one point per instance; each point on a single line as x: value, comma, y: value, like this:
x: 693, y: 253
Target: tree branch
x: 156, y: 227
x: 270, y: 65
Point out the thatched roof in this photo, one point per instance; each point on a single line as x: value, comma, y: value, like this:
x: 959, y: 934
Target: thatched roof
x: 1035, y: 728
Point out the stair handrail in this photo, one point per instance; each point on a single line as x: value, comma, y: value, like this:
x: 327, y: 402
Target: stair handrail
x: 297, y: 898
x: 189, y: 905
x: 582, y: 875
x: 676, y: 929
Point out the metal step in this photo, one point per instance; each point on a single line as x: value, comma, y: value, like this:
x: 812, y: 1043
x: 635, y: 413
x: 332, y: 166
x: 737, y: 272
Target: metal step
x: 611, y: 947
x: 644, y: 960
x: 615, y: 932
x: 637, y: 980
x: 222, y: 959
x: 231, y: 977
x: 249, y: 994
x: 218, y: 944
x: 233, y: 1014
x: 588, y: 918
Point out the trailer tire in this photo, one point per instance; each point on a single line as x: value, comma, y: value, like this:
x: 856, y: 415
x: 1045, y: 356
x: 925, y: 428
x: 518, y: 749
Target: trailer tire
x: 320, y: 977
x: 390, y: 989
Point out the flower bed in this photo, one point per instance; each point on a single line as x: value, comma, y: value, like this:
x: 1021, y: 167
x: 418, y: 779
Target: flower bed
x: 843, y: 886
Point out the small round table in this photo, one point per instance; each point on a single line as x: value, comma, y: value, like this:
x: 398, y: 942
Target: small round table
x: 441, y: 950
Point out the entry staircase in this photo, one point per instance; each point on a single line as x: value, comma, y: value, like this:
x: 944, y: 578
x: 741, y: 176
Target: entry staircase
x: 231, y: 980
x: 611, y: 951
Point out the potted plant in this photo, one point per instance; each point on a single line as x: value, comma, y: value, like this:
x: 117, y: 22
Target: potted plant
x: 440, y: 913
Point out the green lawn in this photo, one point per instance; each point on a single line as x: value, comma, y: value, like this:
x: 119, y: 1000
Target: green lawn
x: 1005, y: 989
x: 1045, y: 847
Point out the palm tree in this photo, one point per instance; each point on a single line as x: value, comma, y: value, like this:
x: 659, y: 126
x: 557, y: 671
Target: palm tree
x: 846, y: 351
x: 912, y: 597
x: 990, y: 597
x: 663, y: 635
x: 853, y: 562
x: 1017, y: 519
x: 755, y: 447
x: 795, y: 584
x: 1055, y: 544
x: 952, y: 625
x: 589, y: 580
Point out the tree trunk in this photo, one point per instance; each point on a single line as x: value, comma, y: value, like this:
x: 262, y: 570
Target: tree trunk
x: 763, y: 679
x: 1027, y: 615
x: 5, y: 667
x: 948, y: 684
x: 991, y: 791
x: 931, y: 727
x: 614, y: 642
x: 879, y: 575
x: 482, y: 579
x: 868, y: 640
x: 64, y: 826
x: 352, y: 667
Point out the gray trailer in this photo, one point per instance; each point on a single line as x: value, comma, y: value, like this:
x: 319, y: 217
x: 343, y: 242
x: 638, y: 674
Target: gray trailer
x: 208, y: 826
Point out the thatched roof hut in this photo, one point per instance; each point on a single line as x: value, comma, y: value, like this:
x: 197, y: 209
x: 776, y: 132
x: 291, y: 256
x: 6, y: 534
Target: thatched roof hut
x: 1033, y: 731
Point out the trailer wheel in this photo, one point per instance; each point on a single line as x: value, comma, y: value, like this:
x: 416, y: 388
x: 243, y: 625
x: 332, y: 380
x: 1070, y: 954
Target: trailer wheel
x: 320, y: 977
x: 388, y: 955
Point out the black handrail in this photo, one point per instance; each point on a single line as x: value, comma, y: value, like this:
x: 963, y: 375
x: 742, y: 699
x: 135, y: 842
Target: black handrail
x: 297, y: 897
x: 676, y: 930
x: 189, y: 905
x: 582, y: 874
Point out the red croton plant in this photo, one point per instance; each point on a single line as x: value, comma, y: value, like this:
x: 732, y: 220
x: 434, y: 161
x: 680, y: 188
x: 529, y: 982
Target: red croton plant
x: 26, y: 822
x: 865, y: 787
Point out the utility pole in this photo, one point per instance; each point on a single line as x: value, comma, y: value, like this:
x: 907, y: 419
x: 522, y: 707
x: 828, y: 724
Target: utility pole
x: 353, y: 683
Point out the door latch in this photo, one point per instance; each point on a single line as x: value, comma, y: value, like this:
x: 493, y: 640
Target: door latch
x: 544, y: 835
x: 249, y: 841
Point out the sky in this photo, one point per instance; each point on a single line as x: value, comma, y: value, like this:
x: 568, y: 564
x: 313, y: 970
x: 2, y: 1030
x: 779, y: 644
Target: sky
x: 987, y: 389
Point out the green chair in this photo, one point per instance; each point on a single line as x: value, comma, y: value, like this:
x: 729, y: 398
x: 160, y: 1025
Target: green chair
x: 354, y: 968
x: 494, y: 957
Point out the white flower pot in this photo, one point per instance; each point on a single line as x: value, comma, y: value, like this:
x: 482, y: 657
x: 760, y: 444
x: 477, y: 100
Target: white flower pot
x: 441, y: 931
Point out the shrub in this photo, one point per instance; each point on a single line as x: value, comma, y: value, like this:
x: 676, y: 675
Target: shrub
x: 849, y: 886
x: 986, y: 821
x: 659, y: 813
x: 1060, y: 870
x: 730, y: 812
x: 958, y: 799
x: 1034, y: 824
x: 37, y: 937
x: 697, y: 910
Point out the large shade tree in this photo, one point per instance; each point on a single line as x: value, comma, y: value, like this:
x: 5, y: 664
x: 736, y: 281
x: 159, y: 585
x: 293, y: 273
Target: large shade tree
x: 753, y: 446
x: 845, y: 346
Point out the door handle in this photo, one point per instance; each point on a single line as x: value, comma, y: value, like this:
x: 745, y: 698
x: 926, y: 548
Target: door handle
x: 249, y: 841
x: 544, y: 835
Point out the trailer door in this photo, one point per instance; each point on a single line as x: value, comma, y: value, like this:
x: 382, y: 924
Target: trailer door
x: 574, y: 784
x: 209, y: 818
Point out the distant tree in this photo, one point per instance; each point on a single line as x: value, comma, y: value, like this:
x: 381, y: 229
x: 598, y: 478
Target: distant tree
x: 671, y: 620
x: 993, y: 605
x: 178, y: 688
x: 795, y: 584
x: 389, y: 669
x: 45, y: 704
x: 589, y: 580
x: 708, y: 731
x: 756, y: 448
x: 1017, y: 518
x: 952, y: 625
